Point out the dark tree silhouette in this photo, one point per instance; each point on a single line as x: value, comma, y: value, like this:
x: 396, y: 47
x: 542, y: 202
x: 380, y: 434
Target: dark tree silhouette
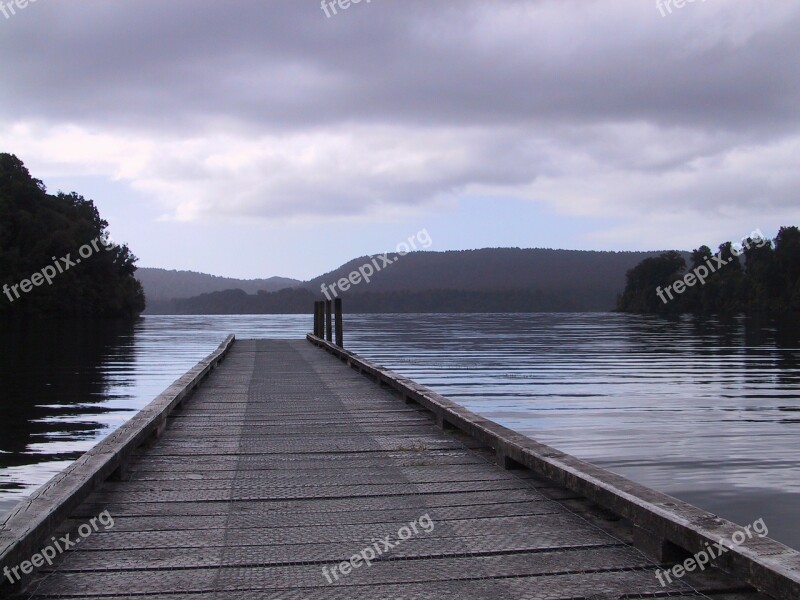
x: 647, y: 278
x: 765, y: 278
x: 37, y: 230
x: 787, y: 265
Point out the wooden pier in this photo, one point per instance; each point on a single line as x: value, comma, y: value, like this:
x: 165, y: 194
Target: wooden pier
x: 270, y: 468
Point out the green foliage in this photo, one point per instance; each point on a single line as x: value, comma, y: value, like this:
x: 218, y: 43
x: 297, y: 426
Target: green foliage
x: 297, y: 301
x: 646, y: 278
x: 38, y: 229
x: 767, y: 279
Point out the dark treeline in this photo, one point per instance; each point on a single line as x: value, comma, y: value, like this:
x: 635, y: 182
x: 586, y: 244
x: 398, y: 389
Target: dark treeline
x: 42, y: 271
x: 163, y: 284
x: 298, y: 301
x: 486, y: 280
x: 237, y: 302
x: 758, y: 275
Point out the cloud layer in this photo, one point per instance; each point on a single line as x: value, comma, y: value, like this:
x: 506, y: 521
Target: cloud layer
x: 271, y: 110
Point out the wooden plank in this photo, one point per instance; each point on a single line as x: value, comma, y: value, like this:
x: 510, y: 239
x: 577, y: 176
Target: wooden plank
x: 310, y: 464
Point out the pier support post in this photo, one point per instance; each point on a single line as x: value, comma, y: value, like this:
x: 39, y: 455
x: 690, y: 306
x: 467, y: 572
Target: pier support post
x: 337, y: 305
x: 656, y: 547
x: 319, y: 319
x: 120, y: 473
x: 329, y: 320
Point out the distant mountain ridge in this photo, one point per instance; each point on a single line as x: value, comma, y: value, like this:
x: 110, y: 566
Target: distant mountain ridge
x: 495, y: 269
x: 485, y: 280
x: 162, y: 285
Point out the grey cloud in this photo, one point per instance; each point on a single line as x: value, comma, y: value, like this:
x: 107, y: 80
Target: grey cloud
x: 282, y: 64
x: 499, y: 95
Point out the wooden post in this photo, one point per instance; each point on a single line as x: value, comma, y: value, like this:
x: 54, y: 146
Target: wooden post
x: 337, y: 306
x: 316, y: 318
x: 320, y: 306
x: 329, y: 320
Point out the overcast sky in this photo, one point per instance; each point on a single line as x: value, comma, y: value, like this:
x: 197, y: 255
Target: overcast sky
x: 257, y: 138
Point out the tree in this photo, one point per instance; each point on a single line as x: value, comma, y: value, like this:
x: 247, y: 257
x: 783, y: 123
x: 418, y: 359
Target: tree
x: 761, y: 282
x: 644, y: 280
x: 40, y: 235
x: 769, y: 280
x: 787, y: 264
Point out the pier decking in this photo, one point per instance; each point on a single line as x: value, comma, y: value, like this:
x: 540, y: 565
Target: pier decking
x: 286, y: 461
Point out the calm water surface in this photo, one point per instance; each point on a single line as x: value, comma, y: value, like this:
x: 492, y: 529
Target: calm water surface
x: 702, y: 409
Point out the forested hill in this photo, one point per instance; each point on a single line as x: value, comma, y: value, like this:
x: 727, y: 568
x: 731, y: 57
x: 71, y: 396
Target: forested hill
x: 486, y: 280
x: 161, y: 284
x: 56, y: 259
x: 498, y: 269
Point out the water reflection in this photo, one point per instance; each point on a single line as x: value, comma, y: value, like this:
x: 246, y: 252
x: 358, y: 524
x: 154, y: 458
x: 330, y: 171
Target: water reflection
x: 52, y: 371
x: 701, y: 408
x: 54, y: 392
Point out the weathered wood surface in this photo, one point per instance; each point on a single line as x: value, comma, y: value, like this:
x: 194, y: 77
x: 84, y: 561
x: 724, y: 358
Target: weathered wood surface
x: 664, y: 527
x: 285, y: 461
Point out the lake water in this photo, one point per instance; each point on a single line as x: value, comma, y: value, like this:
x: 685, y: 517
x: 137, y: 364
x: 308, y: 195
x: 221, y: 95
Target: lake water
x: 703, y: 409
